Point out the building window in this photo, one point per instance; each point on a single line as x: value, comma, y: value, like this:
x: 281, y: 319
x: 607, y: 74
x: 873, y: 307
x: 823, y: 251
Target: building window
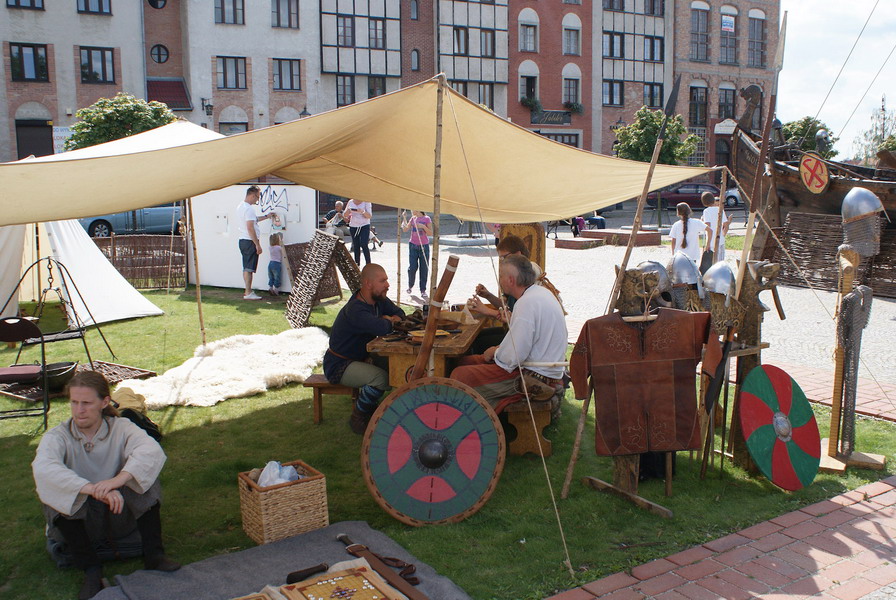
x: 570, y: 139
x: 613, y: 45
x: 487, y: 42
x: 231, y: 73
x: 345, y: 90
x: 653, y: 49
x: 570, y: 91
x: 345, y: 32
x: 229, y: 12
x: 95, y: 7
x: 723, y: 152
x: 159, y: 53
x: 487, y: 95
x: 376, y: 86
x: 756, y: 45
x: 377, y: 33
x: 97, y: 65
x: 653, y: 95
x: 528, y: 38
x: 614, y: 5
x: 29, y: 62
x: 287, y: 74
x: 726, y: 103
x: 728, y: 40
x: 415, y: 60
x: 571, y: 42
x: 35, y: 4
x: 699, y: 35
x: 612, y: 93
x: 459, y: 86
x: 157, y: 3
x: 285, y: 13
x: 572, y: 1
x: 529, y: 87
x: 654, y: 7
x: 699, y: 156
x: 233, y: 128
x: 697, y: 108
x: 415, y: 10
x: 461, y: 41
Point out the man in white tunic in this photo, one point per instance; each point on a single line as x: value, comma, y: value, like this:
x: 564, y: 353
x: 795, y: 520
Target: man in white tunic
x: 537, y: 335
x: 93, y: 463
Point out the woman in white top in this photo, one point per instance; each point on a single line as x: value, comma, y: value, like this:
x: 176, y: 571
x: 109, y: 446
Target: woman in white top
x: 685, y: 233
x: 358, y: 216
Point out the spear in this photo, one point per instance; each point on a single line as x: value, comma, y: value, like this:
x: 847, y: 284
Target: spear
x: 614, y: 294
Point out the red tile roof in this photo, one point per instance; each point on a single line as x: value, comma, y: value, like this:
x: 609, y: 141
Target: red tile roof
x: 172, y: 92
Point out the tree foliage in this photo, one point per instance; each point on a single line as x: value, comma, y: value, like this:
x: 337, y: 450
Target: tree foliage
x: 883, y: 127
x: 802, y: 132
x: 889, y: 144
x: 636, y: 141
x: 110, y: 119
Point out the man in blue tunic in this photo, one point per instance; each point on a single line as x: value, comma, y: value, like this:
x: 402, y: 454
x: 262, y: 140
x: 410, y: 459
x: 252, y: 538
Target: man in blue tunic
x: 367, y: 314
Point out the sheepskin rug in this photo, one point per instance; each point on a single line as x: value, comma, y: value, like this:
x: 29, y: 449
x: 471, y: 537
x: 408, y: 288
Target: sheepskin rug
x: 235, y: 367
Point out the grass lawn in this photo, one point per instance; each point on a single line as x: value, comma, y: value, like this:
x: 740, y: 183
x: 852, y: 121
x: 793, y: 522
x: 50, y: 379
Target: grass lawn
x: 511, y: 549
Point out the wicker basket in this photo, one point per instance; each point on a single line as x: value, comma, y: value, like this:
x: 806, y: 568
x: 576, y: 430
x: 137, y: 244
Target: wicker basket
x: 278, y: 511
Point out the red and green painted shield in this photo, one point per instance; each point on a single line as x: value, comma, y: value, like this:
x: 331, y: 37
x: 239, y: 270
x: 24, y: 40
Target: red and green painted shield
x: 433, y: 452
x: 779, y: 427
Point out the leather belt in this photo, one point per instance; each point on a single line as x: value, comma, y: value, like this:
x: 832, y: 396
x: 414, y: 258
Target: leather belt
x: 543, y: 378
x: 336, y: 354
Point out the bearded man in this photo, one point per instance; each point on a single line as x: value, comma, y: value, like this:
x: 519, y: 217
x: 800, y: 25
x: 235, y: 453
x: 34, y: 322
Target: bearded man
x: 367, y: 314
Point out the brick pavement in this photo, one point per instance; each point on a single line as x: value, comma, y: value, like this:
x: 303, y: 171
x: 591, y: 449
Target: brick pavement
x: 837, y: 549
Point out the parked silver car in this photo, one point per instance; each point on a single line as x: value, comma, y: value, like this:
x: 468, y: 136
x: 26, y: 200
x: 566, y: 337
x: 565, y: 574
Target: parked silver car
x: 155, y: 219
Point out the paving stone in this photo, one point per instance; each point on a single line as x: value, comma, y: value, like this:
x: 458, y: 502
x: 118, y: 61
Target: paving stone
x: 835, y: 518
x: 671, y: 595
x: 792, y: 518
x: 738, y: 555
x: 843, y: 571
x: 653, y: 568
x: 767, y: 576
x: 772, y: 542
x: 853, y: 589
x: 820, y: 508
x: 745, y: 582
x: 699, y: 570
x: 808, y: 585
x: 610, y: 583
x: 760, y: 530
x: 781, y: 566
x: 803, y: 530
x: 692, y: 591
x: 873, y: 489
x: 885, y: 593
x: 725, y: 589
x: 659, y: 584
x: 882, y: 575
x: 686, y: 557
x: 624, y: 594
x: 727, y: 543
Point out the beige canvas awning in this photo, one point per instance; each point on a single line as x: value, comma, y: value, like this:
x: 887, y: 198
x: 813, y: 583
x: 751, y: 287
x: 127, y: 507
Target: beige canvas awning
x: 380, y: 150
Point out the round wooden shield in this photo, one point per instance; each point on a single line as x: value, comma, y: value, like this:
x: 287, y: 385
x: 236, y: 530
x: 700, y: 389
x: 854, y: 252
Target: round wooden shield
x: 433, y: 452
x: 779, y: 427
x: 814, y: 173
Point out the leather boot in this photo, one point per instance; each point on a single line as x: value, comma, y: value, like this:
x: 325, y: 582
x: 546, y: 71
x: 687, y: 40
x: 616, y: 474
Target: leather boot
x: 150, y: 526
x: 358, y: 421
x: 93, y: 583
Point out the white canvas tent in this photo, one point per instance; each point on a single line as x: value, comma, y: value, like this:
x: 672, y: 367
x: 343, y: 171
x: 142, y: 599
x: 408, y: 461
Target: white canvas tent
x: 381, y: 150
x: 100, y: 288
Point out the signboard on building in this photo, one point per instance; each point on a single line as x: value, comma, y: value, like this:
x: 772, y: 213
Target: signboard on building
x: 60, y: 134
x: 728, y: 23
x: 551, y: 117
x: 725, y: 127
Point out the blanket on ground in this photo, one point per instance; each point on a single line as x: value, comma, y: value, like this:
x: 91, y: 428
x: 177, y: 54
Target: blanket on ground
x: 235, y: 367
x: 241, y: 573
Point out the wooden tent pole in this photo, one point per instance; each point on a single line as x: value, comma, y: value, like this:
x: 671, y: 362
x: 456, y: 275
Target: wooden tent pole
x: 196, y: 267
x: 398, y: 257
x: 437, y: 185
x: 617, y: 284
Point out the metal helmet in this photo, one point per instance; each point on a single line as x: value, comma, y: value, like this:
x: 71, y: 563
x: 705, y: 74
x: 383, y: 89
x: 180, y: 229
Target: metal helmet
x: 664, y: 287
x: 720, y: 279
x: 861, y: 228
x: 860, y: 202
x: 682, y: 270
x: 822, y: 140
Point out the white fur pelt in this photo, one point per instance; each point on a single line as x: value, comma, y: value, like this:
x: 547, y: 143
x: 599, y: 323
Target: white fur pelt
x: 235, y: 367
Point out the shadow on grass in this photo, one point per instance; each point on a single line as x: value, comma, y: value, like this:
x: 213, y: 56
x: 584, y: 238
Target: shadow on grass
x: 513, y: 541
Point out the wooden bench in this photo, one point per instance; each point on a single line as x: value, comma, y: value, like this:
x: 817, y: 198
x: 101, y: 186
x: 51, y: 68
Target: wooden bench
x: 320, y: 386
x: 527, y: 438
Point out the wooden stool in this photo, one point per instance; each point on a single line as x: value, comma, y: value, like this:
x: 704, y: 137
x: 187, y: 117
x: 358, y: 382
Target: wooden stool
x: 319, y: 384
x: 526, y: 437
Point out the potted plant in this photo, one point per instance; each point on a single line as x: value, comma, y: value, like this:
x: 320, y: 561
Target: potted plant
x: 574, y: 107
x: 532, y: 103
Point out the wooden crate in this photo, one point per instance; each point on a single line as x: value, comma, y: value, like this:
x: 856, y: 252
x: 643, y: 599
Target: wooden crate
x: 279, y: 511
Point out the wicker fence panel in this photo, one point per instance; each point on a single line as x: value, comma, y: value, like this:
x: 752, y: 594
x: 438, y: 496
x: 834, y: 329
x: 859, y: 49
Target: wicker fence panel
x: 329, y: 285
x: 148, y: 261
x: 812, y: 240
